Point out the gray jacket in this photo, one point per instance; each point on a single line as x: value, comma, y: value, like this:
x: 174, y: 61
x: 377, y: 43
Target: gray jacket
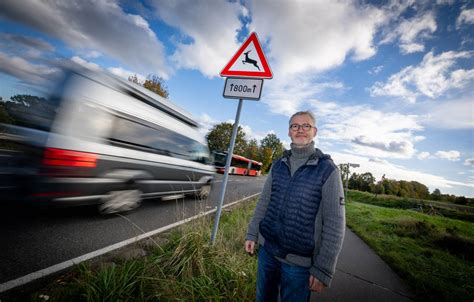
x: 329, y: 228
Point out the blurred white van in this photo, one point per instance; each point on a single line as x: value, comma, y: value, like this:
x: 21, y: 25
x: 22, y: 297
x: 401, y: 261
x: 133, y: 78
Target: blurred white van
x: 102, y: 140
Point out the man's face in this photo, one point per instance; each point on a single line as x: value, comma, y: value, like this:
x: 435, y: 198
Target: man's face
x: 301, y: 137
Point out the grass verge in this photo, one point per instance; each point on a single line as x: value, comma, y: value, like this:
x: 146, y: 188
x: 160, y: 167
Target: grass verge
x: 183, y: 268
x: 434, y: 254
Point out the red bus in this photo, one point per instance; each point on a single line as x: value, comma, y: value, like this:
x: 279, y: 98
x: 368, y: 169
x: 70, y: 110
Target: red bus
x: 254, y: 168
x: 239, y: 165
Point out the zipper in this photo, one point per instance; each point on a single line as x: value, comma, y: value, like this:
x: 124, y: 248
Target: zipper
x: 292, y: 178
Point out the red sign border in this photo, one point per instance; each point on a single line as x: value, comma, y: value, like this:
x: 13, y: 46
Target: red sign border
x: 265, y: 74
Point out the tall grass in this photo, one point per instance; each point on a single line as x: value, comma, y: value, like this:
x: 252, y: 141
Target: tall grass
x: 184, y: 268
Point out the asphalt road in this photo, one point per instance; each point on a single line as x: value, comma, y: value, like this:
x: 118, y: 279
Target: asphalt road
x: 34, y: 239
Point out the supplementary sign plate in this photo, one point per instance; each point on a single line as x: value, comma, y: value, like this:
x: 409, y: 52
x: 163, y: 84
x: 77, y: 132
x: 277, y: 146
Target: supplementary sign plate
x: 240, y: 88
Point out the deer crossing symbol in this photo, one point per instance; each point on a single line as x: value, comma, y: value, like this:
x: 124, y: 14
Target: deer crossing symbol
x: 248, y: 60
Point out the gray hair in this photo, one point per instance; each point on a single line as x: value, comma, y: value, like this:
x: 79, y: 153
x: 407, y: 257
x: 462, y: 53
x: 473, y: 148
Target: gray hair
x: 307, y: 112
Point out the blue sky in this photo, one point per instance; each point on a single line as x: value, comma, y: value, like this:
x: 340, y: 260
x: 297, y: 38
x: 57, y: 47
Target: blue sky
x: 391, y: 82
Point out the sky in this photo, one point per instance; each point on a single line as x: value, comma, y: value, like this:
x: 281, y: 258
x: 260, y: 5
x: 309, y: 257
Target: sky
x: 391, y: 82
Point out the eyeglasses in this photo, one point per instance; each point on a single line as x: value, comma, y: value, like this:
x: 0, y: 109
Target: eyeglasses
x: 296, y: 127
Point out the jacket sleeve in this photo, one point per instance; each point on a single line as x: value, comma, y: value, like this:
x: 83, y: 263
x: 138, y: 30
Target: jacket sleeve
x: 260, y: 210
x: 329, y: 232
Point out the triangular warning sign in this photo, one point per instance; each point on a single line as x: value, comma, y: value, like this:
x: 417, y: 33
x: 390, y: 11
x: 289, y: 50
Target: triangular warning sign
x: 249, y: 61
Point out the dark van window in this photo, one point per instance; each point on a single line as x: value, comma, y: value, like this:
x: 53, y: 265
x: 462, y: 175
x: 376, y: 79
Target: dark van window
x: 132, y: 134
x: 200, y: 153
x: 32, y: 111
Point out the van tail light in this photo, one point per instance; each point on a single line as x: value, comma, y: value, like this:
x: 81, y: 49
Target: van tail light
x: 67, y: 158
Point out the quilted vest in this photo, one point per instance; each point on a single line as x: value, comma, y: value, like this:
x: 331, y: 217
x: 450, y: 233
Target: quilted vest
x: 288, y: 225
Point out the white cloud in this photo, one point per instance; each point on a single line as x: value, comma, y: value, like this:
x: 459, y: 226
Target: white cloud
x: 17, y: 42
x: 376, y: 69
x: 411, y: 33
x: 432, y: 78
x: 423, y: 155
x: 466, y: 16
x: 397, y: 172
x: 286, y: 97
x: 26, y: 47
x: 250, y: 133
x: 205, y: 124
x: 27, y: 71
x: 84, y: 63
x: 369, y: 132
x: 93, y: 54
x: 450, y: 114
x: 469, y: 161
x: 452, y: 155
x: 124, y: 74
x: 378, y: 160
x: 404, y: 147
x: 94, y: 26
x: 315, y: 35
x: 287, y: 144
x: 211, y: 25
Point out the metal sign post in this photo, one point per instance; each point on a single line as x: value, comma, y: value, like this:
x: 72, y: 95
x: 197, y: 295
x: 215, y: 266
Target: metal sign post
x: 226, y: 172
x: 245, y: 73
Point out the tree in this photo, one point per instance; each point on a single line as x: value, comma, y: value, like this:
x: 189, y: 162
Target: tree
x: 252, y: 150
x: 267, y: 159
x: 405, y: 189
x: 156, y: 84
x: 460, y: 200
x: 379, y: 188
x: 420, y: 190
x: 354, y: 182
x: 134, y: 79
x: 366, y: 181
x: 272, y: 142
x: 387, y: 186
x: 436, y: 195
x: 271, y: 149
x: 153, y: 83
x: 218, y: 139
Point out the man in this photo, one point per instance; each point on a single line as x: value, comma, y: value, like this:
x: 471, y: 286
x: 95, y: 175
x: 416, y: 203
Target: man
x: 299, y: 220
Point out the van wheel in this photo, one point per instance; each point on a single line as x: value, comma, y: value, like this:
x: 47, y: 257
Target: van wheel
x: 204, y: 192
x: 120, y: 201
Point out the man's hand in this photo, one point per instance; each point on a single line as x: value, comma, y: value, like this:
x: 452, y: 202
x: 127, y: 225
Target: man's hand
x: 315, y: 285
x: 249, y: 246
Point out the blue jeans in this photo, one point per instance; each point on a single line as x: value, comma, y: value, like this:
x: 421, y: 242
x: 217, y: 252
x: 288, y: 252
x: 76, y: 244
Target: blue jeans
x: 274, y: 276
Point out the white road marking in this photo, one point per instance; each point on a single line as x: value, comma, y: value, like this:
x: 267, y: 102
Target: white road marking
x: 68, y: 263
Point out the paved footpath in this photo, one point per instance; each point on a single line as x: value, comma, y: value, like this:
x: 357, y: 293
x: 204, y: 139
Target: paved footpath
x: 361, y: 275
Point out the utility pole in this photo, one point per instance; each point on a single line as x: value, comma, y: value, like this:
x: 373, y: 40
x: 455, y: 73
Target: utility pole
x: 348, y: 165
